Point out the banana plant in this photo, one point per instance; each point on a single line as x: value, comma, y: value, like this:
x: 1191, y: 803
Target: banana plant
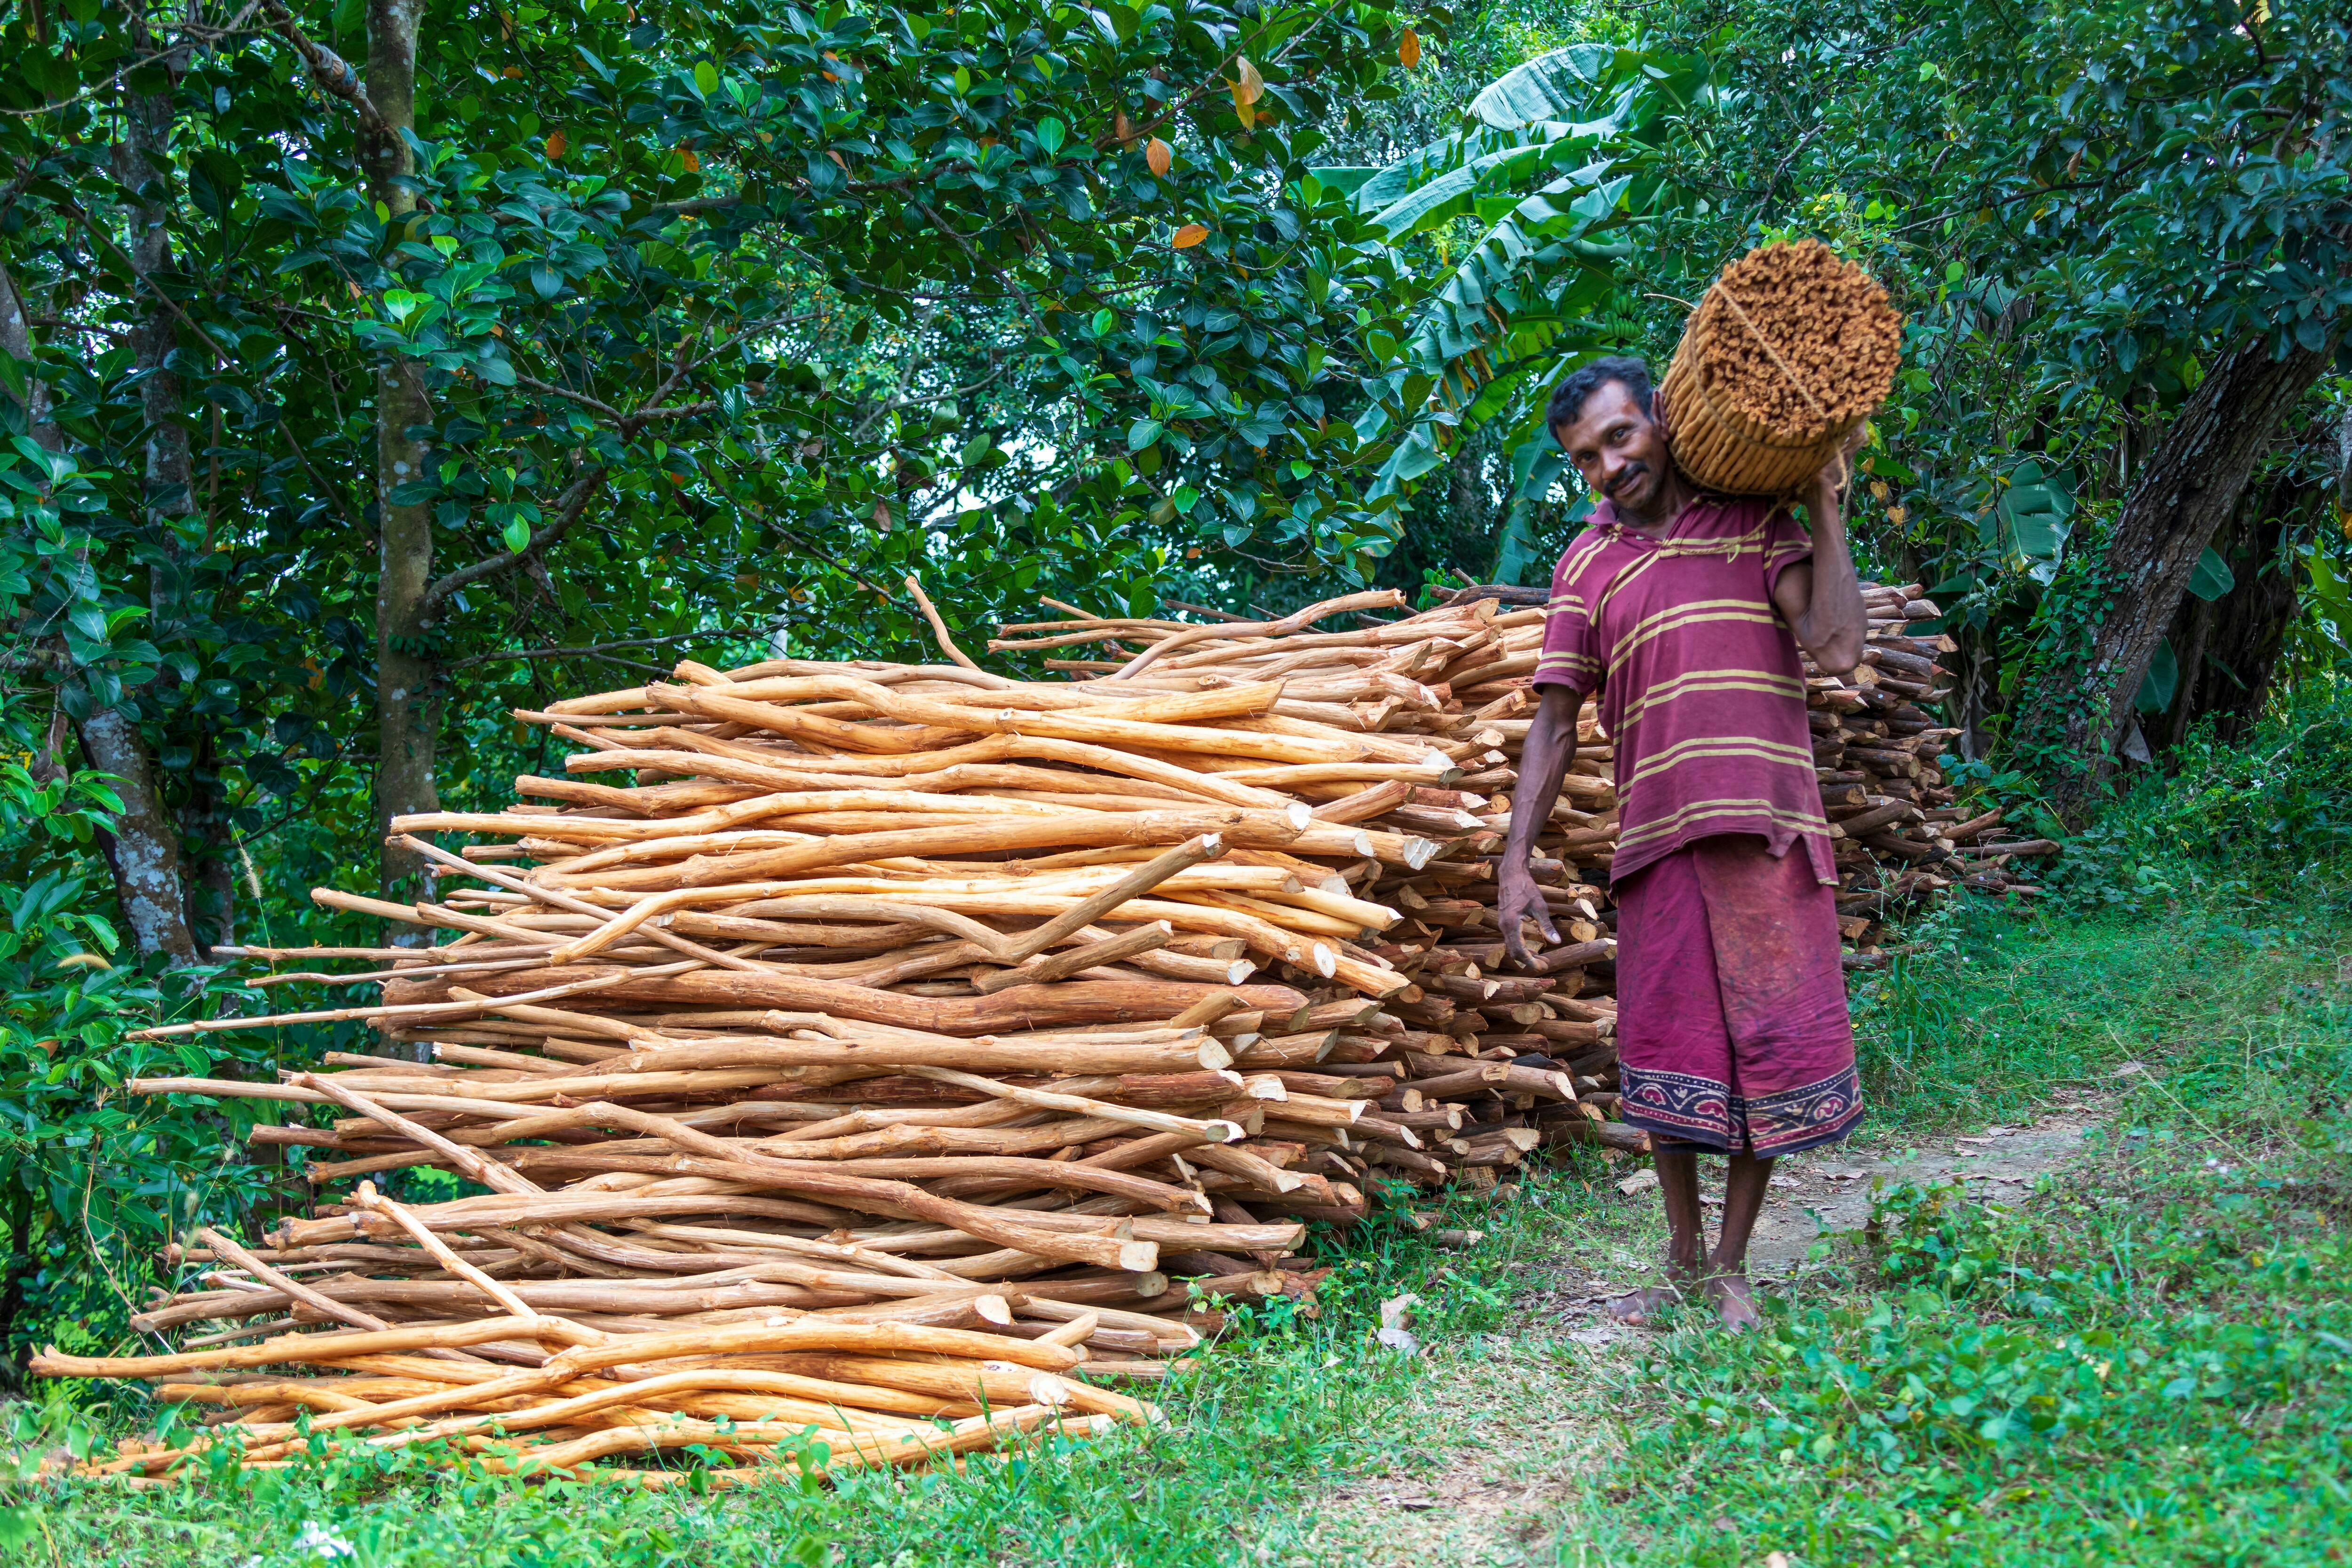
x: 1554, y: 160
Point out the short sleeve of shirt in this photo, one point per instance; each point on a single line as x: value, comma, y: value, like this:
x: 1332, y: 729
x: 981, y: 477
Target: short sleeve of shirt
x: 1786, y: 542
x: 1571, y: 655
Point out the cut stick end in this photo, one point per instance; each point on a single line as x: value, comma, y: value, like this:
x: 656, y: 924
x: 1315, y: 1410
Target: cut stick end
x: 1138, y: 1257
x: 1213, y: 1054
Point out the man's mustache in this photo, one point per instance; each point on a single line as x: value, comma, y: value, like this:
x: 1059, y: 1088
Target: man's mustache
x: 1626, y: 476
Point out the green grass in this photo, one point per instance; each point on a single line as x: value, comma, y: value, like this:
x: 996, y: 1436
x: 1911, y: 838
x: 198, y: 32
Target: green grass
x: 2150, y: 1365
x: 1935, y: 1401
x: 2148, y: 1362
x: 1279, y: 1412
x: 1984, y: 1012
x: 1263, y: 1424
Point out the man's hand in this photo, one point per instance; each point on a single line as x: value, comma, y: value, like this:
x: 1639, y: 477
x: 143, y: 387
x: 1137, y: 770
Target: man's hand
x: 1518, y: 900
x: 1830, y: 483
x: 1543, y: 762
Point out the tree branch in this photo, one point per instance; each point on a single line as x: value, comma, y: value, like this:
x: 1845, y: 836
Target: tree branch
x: 592, y: 650
x: 328, y: 71
x: 570, y: 507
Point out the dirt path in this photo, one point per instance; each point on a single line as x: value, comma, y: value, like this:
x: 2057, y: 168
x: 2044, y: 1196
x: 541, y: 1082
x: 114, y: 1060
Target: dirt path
x: 1500, y: 1442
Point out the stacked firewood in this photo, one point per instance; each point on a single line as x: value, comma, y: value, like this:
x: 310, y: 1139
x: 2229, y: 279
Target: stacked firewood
x: 876, y: 1056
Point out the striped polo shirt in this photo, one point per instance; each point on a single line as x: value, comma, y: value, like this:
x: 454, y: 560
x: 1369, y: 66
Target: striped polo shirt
x: 1700, y: 686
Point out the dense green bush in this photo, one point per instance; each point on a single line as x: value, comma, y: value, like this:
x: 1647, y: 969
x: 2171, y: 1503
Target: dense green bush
x: 90, y: 1181
x: 2247, y: 817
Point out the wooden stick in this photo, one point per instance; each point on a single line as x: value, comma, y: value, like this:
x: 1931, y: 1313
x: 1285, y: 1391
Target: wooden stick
x: 939, y: 627
x: 559, y: 900
x: 1109, y: 949
x: 1141, y: 881
x: 293, y: 1289
x: 419, y: 1012
x: 369, y: 1198
x: 1379, y: 598
x: 1213, y: 1131
x: 487, y: 1171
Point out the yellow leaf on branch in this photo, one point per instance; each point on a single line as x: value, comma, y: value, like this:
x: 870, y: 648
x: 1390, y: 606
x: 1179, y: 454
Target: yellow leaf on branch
x: 1191, y: 235
x: 1409, y: 49
x: 1248, y: 85
x: 1156, y: 153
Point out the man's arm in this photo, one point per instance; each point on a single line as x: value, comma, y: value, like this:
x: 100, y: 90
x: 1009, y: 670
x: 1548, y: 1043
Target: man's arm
x: 1543, y: 762
x: 1822, y: 599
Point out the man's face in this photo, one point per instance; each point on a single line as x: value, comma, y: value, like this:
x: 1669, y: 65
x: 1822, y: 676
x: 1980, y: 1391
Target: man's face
x: 1618, y: 450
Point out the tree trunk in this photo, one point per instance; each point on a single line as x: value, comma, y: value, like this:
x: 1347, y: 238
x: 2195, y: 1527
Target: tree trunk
x: 408, y: 697
x: 2229, y: 647
x: 207, y: 838
x: 143, y: 849
x: 2181, y: 494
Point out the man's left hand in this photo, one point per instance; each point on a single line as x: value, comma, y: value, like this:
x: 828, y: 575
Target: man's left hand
x: 1830, y: 481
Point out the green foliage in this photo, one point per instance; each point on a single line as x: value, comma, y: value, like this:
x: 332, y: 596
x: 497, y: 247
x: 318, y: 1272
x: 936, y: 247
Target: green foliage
x: 91, y: 1182
x: 2181, y: 913
x: 1550, y: 161
x: 2256, y: 816
x: 2089, y: 1408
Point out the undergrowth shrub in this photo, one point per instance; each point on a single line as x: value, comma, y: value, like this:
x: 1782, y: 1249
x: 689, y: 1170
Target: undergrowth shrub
x: 91, y: 1182
x: 2243, y: 817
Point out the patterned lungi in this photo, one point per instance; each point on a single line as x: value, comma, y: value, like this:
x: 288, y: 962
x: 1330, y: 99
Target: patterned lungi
x: 1732, y: 1030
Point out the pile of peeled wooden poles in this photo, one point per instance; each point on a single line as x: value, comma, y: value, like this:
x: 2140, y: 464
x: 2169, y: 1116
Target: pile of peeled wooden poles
x: 887, y: 1056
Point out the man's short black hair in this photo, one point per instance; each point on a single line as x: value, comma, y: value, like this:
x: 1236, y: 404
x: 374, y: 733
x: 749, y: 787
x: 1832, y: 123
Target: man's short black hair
x: 1567, y: 399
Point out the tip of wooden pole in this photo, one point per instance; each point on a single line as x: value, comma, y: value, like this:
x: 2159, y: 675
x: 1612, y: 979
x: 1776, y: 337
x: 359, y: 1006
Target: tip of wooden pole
x: 1212, y: 1054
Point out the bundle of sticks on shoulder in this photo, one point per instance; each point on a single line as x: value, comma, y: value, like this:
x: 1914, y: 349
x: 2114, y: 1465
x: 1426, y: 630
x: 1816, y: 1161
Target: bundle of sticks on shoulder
x: 867, y: 1063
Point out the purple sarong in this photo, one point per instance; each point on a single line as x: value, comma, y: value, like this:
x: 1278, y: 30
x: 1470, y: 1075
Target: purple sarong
x: 1732, y: 1029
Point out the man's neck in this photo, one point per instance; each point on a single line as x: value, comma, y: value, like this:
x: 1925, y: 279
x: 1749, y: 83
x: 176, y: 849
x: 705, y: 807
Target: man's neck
x: 1674, y: 496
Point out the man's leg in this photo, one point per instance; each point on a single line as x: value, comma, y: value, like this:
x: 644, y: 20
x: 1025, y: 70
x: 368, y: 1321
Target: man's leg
x: 1685, y: 1242
x: 1727, y: 1267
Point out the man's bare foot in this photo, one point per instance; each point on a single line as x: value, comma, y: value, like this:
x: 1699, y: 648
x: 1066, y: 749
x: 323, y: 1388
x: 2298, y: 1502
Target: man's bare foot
x: 1734, y: 1298
x: 1640, y: 1309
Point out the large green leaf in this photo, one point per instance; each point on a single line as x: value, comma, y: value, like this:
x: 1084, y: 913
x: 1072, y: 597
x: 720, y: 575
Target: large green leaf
x: 2037, y: 508
x: 2158, y: 687
x: 1556, y: 86
x: 2212, y: 576
x: 1441, y: 200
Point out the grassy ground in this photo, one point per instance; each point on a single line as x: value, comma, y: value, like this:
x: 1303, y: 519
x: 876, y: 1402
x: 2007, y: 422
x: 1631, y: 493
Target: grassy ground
x: 2146, y: 1361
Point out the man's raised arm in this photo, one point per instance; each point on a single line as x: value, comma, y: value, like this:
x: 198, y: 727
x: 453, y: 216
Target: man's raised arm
x: 1822, y: 598
x: 1543, y: 764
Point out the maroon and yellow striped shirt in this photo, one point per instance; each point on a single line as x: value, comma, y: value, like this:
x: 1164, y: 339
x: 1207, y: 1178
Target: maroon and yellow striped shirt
x: 1700, y: 686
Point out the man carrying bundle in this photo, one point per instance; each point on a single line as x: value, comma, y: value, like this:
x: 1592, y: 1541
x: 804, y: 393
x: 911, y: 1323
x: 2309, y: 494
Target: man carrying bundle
x: 1685, y: 610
